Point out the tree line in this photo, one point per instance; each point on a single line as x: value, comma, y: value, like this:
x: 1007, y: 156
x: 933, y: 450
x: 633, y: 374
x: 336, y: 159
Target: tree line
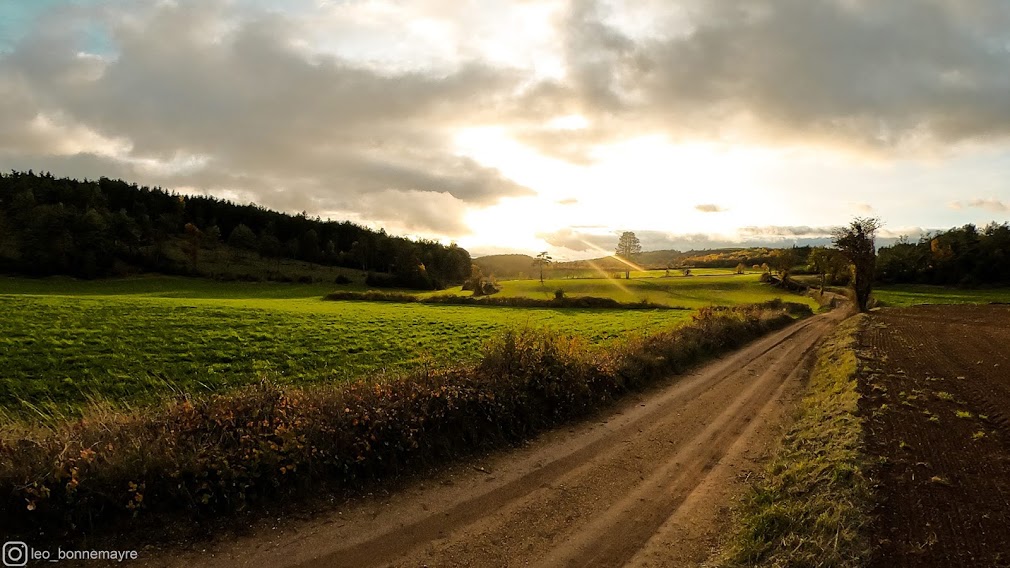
x: 964, y: 256
x: 108, y: 227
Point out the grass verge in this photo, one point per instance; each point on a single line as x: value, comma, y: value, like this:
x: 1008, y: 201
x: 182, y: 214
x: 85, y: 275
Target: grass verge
x: 904, y: 295
x: 812, y: 505
x: 196, y: 459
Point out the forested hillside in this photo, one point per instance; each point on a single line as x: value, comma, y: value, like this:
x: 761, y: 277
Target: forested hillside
x: 507, y: 265
x: 109, y: 227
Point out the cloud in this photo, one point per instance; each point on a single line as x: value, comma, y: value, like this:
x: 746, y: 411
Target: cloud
x: 850, y: 73
x: 578, y: 240
x: 204, y: 96
x: 785, y: 232
x: 988, y: 204
x: 414, y: 212
x: 709, y: 208
x: 355, y: 107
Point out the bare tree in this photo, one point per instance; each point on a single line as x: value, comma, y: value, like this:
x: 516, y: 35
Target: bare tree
x: 627, y: 248
x: 856, y: 242
x: 543, y: 259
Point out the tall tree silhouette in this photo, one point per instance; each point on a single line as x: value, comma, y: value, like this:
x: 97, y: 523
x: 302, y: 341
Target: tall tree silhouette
x: 857, y: 244
x: 543, y: 259
x: 628, y: 247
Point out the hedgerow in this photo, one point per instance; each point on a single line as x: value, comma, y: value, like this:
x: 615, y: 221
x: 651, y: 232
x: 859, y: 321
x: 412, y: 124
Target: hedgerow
x: 586, y: 302
x: 196, y: 459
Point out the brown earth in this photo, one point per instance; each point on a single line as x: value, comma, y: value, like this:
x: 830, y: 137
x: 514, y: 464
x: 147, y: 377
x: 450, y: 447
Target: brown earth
x: 936, y: 396
x: 648, y: 484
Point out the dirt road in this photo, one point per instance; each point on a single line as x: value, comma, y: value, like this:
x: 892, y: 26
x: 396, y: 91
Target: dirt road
x: 648, y: 484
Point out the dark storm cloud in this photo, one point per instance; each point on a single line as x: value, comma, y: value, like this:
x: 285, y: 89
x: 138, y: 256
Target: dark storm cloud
x: 194, y: 82
x: 857, y: 73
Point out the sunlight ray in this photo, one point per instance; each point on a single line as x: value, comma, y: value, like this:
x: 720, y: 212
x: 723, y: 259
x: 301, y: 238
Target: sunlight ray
x: 606, y: 277
x: 605, y: 252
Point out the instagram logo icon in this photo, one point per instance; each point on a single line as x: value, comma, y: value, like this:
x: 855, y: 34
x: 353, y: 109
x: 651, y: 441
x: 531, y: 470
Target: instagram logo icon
x: 15, y: 553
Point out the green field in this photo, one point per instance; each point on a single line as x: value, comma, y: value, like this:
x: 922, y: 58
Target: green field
x: 65, y: 342
x: 911, y: 294
x: 566, y: 273
x: 688, y: 292
x: 165, y: 287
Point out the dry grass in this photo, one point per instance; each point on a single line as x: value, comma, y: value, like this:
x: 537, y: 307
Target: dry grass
x: 812, y: 505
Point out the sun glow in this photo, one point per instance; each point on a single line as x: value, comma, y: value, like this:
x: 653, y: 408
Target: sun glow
x: 605, y: 274
x: 643, y: 183
x: 569, y: 122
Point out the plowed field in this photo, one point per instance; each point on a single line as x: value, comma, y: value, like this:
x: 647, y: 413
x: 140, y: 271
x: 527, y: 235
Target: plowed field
x: 936, y: 395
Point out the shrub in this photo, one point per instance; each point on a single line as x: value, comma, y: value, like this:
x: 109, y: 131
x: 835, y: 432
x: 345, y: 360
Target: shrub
x: 415, y: 281
x: 341, y: 279
x: 372, y: 296
x: 559, y: 294
x: 487, y: 288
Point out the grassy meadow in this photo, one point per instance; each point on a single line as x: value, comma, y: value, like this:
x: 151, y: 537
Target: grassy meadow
x: 577, y: 273
x: 719, y: 288
x: 911, y: 294
x: 66, y: 342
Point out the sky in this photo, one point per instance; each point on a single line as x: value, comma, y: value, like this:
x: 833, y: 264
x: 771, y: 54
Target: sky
x: 529, y: 125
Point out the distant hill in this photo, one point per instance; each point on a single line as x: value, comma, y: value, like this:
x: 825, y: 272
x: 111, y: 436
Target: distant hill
x: 506, y: 265
x: 659, y: 259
